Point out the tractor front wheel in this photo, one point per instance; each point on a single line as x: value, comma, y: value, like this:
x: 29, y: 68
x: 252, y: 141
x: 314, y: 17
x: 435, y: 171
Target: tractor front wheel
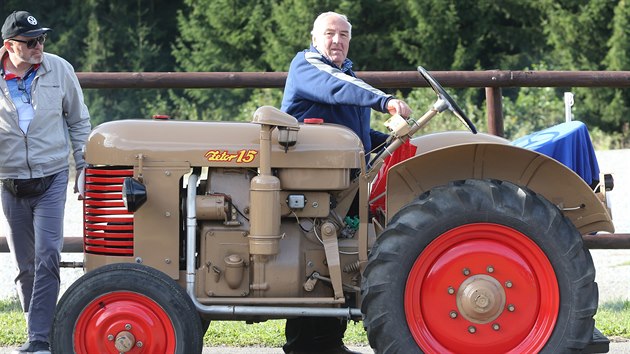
x: 126, y: 307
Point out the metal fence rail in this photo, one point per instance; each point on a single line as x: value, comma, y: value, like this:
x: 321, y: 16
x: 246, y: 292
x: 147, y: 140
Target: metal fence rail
x: 380, y: 79
x: 492, y: 81
x: 74, y: 244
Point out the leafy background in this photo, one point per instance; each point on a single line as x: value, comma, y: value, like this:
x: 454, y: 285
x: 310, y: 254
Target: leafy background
x: 263, y: 35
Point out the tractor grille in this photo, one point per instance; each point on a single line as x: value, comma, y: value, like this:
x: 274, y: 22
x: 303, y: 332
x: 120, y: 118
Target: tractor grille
x: 108, y: 226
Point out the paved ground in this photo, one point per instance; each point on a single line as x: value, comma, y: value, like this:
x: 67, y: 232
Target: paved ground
x: 615, y: 348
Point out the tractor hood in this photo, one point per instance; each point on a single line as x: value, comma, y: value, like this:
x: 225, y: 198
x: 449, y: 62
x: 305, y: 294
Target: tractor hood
x: 219, y: 144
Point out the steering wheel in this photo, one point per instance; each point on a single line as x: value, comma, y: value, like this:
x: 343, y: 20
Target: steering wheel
x: 452, y: 105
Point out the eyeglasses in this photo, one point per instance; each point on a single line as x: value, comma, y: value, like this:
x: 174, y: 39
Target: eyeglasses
x: 26, y: 97
x: 31, y: 43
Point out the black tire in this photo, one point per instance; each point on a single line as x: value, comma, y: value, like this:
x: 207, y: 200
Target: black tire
x: 117, y: 299
x: 417, y: 295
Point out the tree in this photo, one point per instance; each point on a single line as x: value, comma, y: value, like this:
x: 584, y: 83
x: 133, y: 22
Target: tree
x: 616, y: 115
x: 578, y: 32
x: 219, y: 35
x: 223, y: 35
x: 453, y: 35
x: 127, y: 36
x: 592, y: 35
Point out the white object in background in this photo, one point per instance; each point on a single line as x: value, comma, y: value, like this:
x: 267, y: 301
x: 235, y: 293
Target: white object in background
x: 568, y: 103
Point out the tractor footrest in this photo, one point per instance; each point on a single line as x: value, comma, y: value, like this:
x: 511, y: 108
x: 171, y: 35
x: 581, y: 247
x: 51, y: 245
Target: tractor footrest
x: 599, y: 343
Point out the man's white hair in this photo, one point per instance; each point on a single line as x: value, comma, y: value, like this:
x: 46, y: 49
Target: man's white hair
x: 320, y: 20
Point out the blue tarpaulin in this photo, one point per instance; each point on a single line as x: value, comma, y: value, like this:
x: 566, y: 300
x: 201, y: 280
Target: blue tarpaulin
x: 570, y: 144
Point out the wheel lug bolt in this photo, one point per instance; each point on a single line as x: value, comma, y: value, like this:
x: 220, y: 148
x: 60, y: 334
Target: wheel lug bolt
x: 110, y: 337
x: 490, y: 269
x: 508, y: 284
x: 128, y: 327
x: 510, y: 308
x: 496, y: 326
x: 472, y: 329
x: 466, y: 271
x: 139, y: 344
x: 453, y: 314
x: 451, y: 290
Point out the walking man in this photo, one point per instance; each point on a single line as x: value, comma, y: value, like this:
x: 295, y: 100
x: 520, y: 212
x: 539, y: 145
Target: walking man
x: 42, y: 119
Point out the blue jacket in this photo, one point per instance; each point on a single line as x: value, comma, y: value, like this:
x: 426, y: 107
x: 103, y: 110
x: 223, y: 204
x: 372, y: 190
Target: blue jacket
x: 317, y: 88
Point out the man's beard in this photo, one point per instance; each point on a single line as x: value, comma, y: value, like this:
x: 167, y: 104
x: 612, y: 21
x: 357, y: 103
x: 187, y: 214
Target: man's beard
x: 33, y: 59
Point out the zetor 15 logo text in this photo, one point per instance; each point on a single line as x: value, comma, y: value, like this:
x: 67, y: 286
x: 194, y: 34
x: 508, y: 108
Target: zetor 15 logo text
x: 241, y: 156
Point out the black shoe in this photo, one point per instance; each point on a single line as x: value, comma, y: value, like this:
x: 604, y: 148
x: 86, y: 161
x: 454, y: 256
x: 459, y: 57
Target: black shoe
x: 34, y: 347
x: 342, y: 350
x: 337, y: 350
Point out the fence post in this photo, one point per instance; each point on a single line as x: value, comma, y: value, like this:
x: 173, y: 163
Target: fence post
x: 494, y: 106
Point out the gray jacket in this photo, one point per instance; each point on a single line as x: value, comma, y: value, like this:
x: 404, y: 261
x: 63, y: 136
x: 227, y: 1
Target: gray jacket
x: 61, y: 118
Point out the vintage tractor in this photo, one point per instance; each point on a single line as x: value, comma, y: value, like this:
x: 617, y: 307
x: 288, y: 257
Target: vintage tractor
x: 477, y: 249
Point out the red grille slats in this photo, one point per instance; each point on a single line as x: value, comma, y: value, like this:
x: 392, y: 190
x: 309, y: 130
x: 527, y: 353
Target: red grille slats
x: 106, y: 171
x: 109, y: 243
x: 103, y: 187
x: 108, y: 220
x: 108, y: 226
x: 105, y: 227
x: 106, y: 211
x: 105, y: 203
x: 106, y: 196
x: 108, y: 180
x: 114, y: 235
x: 108, y: 251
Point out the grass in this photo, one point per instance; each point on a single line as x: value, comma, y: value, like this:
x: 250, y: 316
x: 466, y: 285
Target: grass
x: 266, y: 334
x: 12, y: 323
x: 220, y: 333
x: 612, y: 319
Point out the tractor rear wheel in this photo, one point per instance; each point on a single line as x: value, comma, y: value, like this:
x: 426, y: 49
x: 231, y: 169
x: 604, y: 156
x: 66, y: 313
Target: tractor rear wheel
x: 121, y: 307
x: 479, y: 266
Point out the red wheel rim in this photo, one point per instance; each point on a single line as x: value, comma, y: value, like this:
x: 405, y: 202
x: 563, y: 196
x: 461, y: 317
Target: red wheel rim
x: 112, y: 315
x: 503, y: 273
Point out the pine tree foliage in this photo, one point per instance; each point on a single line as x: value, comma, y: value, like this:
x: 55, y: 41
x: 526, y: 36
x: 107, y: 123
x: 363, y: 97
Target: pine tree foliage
x: 264, y: 35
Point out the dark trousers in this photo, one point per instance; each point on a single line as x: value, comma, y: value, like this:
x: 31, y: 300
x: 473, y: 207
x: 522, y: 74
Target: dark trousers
x: 35, y: 238
x: 314, y: 334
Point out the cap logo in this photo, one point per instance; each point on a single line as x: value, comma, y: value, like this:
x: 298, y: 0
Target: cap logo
x: 32, y: 20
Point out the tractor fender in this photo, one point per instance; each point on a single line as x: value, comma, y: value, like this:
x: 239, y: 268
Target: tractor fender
x: 451, y: 156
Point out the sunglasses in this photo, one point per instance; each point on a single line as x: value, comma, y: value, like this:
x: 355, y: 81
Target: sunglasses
x: 26, y: 97
x: 31, y: 43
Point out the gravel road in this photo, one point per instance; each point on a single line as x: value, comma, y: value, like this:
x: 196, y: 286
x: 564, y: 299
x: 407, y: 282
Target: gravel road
x: 612, y: 266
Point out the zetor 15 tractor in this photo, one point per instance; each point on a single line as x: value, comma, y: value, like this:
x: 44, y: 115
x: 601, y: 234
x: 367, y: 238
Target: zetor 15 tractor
x: 478, y: 248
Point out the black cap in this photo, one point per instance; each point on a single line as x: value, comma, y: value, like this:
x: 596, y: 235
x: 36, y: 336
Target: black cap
x: 22, y: 23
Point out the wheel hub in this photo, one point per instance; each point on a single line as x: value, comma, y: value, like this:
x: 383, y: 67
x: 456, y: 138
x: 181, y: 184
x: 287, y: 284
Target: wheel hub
x: 480, y: 298
x: 125, y: 341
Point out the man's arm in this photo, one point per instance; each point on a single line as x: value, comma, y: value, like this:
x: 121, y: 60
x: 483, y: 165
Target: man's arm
x: 317, y: 81
x: 76, y: 115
